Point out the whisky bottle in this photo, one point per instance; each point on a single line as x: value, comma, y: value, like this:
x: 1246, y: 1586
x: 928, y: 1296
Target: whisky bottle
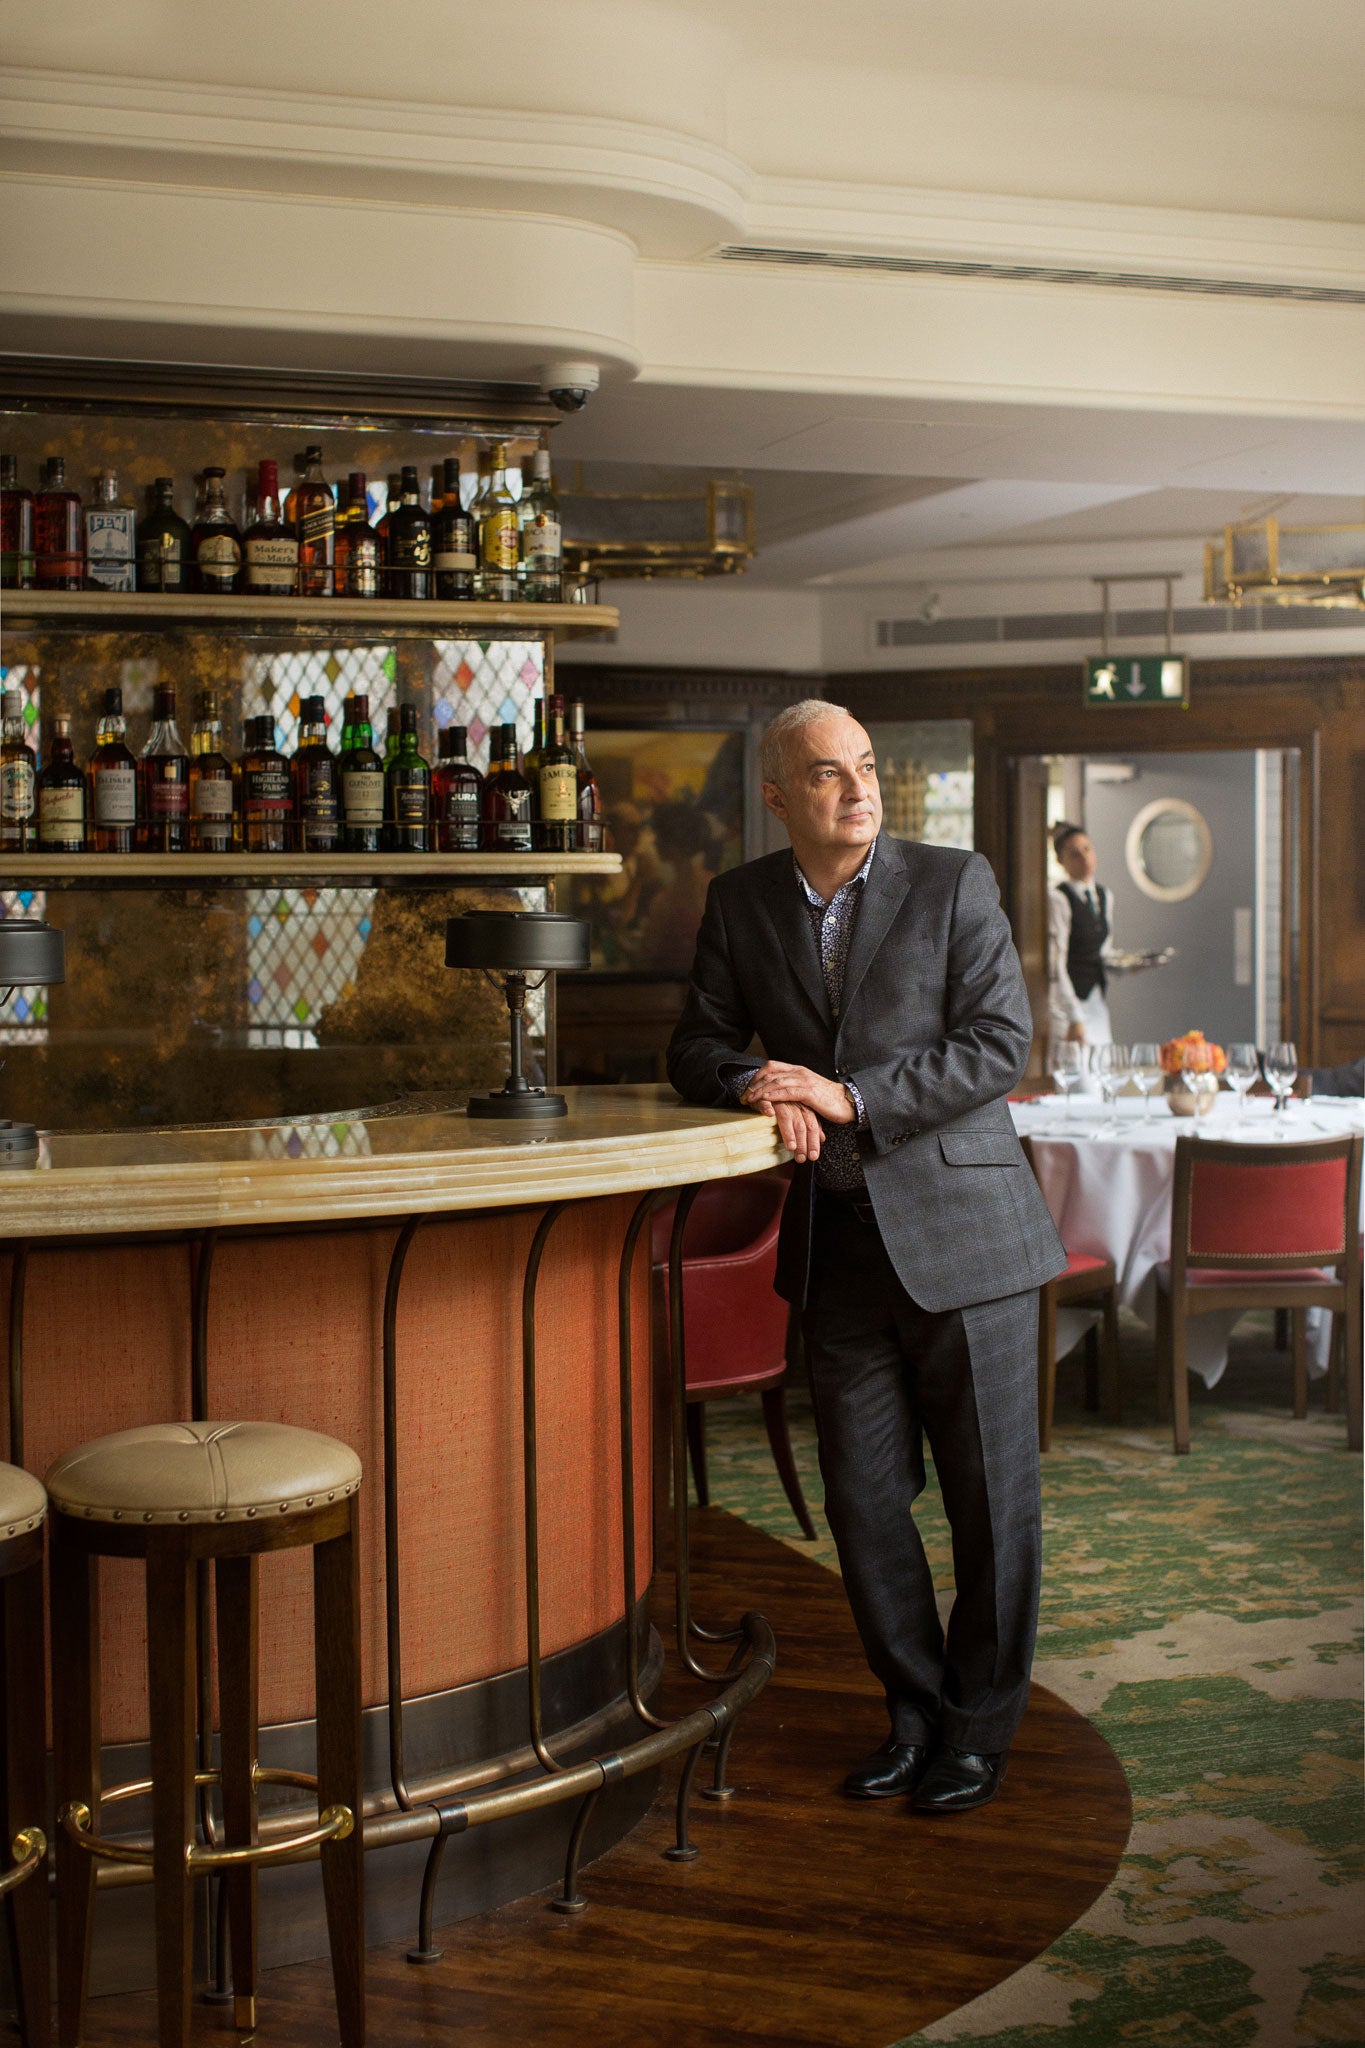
x: 362, y: 785
x: 541, y: 536
x: 589, y: 797
x: 454, y: 540
x: 311, y: 515
x: 317, y: 783
x: 18, y: 566
x: 356, y: 556
x: 530, y: 766
x: 498, y: 535
x: 409, y: 550
x: 407, y: 792
x: 393, y: 497
x: 266, y: 804
x: 110, y: 536
x: 507, y: 799
x: 164, y: 772
x: 18, y: 777
x: 270, y: 548
x: 163, y: 543
x: 558, y: 786
x: 59, y: 532
x: 215, y: 543
x: 456, y: 795
x: 212, y: 820
x: 61, y: 795
x: 112, y: 780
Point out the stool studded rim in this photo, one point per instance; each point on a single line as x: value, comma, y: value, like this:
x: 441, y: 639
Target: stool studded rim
x: 335, y: 1823
x: 194, y: 1474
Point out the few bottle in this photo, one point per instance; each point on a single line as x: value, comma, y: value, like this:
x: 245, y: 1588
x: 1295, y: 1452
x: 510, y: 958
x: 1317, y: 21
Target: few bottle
x: 61, y: 795
x: 407, y: 792
x: 270, y: 548
x: 456, y: 794
x: 59, y: 532
x: 409, y: 547
x: 362, y: 783
x: 317, y: 783
x: 212, y: 805
x: 507, y: 799
x: 498, y: 536
x: 455, y: 540
x: 18, y: 777
x: 163, y: 543
x: 111, y: 775
x: 311, y: 515
x: 215, y: 543
x: 557, y: 786
x: 164, y: 772
x: 356, y: 555
x: 110, y: 536
x: 542, y: 540
x: 589, y: 797
x: 18, y: 563
x: 267, y: 806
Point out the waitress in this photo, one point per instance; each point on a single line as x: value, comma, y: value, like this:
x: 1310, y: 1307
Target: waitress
x: 1080, y: 943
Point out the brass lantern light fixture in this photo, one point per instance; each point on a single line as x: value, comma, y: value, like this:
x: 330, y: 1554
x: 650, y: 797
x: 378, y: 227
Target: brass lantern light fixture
x: 1266, y: 563
x: 613, y: 535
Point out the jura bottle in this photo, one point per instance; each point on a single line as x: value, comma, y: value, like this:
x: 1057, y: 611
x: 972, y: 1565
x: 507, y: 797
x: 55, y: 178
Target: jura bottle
x: 558, y: 786
x: 111, y: 775
x: 317, y: 783
x: 212, y: 806
x: 164, y: 771
x: 215, y: 543
x: 456, y: 795
x: 311, y: 514
x: 110, y: 536
x: 18, y: 566
x: 507, y: 799
x: 163, y: 543
x: 270, y: 547
x: 362, y: 785
x: 407, y: 792
x: 18, y: 778
x: 61, y: 795
x: 59, y: 532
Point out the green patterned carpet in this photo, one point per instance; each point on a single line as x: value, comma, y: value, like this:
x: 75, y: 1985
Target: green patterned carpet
x: 1204, y: 1613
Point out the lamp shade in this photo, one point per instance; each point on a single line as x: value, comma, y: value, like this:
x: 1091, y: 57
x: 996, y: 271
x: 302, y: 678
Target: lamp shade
x: 517, y: 941
x: 30, y: 951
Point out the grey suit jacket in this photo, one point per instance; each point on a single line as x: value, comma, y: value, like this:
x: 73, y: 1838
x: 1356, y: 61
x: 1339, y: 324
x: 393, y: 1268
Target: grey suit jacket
x: 935, y: 1030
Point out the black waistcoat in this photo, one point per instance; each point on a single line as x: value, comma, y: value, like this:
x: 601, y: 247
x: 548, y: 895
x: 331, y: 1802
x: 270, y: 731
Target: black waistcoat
x: 1089, y: 930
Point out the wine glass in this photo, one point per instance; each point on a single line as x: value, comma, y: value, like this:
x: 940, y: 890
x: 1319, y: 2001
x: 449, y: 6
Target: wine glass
x: 1067, y: 1063
x: 1146, y: 1071
x: 1239, y: 1073
x: 1282, y: 1071
x: 1112, y: 1065
x: 1200, y: 1075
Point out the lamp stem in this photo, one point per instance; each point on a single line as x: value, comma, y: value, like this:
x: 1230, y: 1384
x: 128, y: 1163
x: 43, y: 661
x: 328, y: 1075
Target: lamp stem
x: 516, y: 1004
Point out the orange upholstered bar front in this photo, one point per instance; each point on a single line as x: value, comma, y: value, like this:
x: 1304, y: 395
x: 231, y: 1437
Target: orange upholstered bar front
x: 295, y: 1327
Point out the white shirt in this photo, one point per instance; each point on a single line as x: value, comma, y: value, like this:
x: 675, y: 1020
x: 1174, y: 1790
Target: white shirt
x: 1064, y: 1000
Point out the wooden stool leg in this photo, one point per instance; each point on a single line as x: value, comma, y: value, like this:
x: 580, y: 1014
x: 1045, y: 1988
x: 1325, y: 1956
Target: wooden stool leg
x: 238, y: 1667
x: 696, y: 1445
x: 336, y: 1651
x: 1299, y: 1347
x: 1180, y: 1383
x: 171, y: 1681
x: 25, y: 1796
x: 1111, y: 1398
x: 1047, y: 1365
x: 779, y: 1439
x: 74, y: 1585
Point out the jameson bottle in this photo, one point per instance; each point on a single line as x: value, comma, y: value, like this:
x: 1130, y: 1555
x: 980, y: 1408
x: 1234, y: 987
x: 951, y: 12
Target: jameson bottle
x: 455, y: 540
x: 362, y: 785
x: 59, y: 532
x: 317, y: 783
x: 541, y: 536
x: 18, y: 778
x: 212, y: 819
x: 589, y: 798
x: 356, y: 556
x: 110, y: 536
x: 164, y: 772
x: 266, y: 798
x: 558, y: 786
x: 215, y: 543
x: 163, y: 543
x: 456, y: 795
x: 498, y: 537
x: 409, y: 549
x: 61, y: 795
x: 18, y: 565
x: 111, y: 775
x: 507, y: 799
x: 407, y: 792
x: 270, y: 547
x: 311, y: 515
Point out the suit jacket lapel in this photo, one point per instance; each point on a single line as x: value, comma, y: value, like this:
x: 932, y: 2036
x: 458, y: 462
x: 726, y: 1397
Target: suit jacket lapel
x: 883, y: 893
x: 786, y: 906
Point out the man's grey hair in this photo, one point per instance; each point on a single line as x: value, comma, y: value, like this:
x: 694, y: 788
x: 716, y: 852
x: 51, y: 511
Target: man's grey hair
x: 774, y: 749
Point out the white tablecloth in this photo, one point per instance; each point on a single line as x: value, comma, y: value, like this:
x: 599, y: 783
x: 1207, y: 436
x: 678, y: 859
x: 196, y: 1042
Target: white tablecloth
x: 1110, y: 1193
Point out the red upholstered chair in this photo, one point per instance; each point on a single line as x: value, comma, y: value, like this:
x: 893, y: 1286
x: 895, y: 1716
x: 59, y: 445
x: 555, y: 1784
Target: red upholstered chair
x: 739, y: 1333
x: 1263, y: 1226
x: 1087, y: 1279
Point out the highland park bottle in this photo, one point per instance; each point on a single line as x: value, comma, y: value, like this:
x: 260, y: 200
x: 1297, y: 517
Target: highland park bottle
x: 215, y: 543
x: 271, y: 548
x: 266, y: 805
x: 61, y: 795
x: 164, y: 772
x: 456, y: 795
x: 111, y: 775
x: 311, y: 514
x: 362, y: 785
x: 212, y: 806
x: 317, y: 783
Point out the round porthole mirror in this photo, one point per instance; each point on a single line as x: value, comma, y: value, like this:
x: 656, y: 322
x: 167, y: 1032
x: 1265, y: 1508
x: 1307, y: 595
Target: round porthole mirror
x: 1169, y: 850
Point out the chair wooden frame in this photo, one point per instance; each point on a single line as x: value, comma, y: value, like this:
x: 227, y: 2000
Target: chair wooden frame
x: 1342, y: 1295
x: 1098, y: 1282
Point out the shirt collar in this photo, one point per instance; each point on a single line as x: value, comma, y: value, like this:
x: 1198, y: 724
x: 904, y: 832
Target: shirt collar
x: 812, y: 896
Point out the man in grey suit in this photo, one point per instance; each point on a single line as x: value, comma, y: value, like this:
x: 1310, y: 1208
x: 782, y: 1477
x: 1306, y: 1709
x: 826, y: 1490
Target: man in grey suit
x: 880, y: 979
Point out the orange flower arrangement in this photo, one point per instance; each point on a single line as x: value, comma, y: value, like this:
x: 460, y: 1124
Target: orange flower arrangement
x: 1173, y: 1052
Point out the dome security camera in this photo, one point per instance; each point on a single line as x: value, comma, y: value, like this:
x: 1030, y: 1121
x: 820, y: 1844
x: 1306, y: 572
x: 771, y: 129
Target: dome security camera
x: 569, y: 386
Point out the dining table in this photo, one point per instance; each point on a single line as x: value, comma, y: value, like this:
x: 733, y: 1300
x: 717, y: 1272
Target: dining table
x: 1107, y: 1174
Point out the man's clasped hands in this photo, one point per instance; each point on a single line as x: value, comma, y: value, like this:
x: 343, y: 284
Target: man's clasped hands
x: 798, y: 1101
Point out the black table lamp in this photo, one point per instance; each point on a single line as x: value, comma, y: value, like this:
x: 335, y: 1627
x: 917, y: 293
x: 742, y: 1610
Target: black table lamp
x: 30, y: 952
x: 508, y: 945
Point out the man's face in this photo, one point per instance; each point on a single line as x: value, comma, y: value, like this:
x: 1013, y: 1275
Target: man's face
x: 828, y: 798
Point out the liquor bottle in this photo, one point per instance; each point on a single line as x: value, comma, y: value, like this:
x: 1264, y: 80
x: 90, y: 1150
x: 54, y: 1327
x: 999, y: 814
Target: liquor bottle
x: 356, y: 556
x: 163, y: 543
x: 61, y: 795
x: 59, y: 532
x: 317, y: 783
x: 347, y: 723
x: 164, y: 772
x: 362, y: 785
x: 507, y: 800
x: 271, y: 548
x: 542, y: 549
x: 530, y: 768
x: 212, y: 809
x: 266, y: 805
x: 456, y: 795
x: 18, y: 566
x: 558, y: 786
x: 18, y: 777
x: 311, y: 515
x: 392, y: 499
x: 409, y: 551
x: 112, y: 779
x: 454, y: 540
x: 478, y: 505
x: 111, y: 536
x: 498, y: 535
x: 407, y: 792
x: 589, y: 797
x: 215, y: 543
x: 393, y: 726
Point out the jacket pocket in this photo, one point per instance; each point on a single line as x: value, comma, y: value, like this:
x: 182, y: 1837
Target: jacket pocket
x: 980, y: 1148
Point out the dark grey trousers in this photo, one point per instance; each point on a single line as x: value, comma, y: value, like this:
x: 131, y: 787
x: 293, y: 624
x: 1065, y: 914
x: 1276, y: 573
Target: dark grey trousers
x: 886, y: 1374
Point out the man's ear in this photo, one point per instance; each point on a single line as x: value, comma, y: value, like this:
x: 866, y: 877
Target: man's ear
x: 774, y: 799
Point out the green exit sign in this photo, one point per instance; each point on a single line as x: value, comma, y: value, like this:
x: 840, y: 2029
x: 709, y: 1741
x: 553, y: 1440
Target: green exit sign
x: 1138, y: 679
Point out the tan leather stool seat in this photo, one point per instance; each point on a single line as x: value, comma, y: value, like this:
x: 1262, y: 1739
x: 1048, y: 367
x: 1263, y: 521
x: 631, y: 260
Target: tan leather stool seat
x: 201, y: 1472
x: 23, y: 1502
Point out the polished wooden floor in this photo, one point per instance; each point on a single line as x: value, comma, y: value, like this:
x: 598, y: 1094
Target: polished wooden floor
x: 807, y: 1921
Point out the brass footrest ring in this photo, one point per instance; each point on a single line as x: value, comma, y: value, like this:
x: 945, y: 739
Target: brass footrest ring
x: 28, y: 1848
x: 335, y: 1823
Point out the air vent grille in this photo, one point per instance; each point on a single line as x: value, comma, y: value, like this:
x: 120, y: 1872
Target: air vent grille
x: 1085, y: 626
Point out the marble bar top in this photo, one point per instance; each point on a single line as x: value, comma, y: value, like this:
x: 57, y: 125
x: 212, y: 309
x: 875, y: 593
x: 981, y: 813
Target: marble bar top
x: 394, y: 1161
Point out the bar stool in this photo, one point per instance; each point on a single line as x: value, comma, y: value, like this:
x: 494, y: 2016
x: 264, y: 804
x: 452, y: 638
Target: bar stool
x: 177, y: 1494
x: 23, y: 1760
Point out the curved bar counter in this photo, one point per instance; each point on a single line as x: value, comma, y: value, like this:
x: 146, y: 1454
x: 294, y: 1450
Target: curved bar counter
x: 463, y: 1303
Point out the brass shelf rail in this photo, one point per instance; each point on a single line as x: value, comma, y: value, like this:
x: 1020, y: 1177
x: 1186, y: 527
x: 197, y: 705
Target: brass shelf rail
x: 63, y: 870
x: 466, y: 619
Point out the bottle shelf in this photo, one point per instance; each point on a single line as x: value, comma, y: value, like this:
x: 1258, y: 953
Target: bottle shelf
x: 250, y: 870
x: 145, y: 609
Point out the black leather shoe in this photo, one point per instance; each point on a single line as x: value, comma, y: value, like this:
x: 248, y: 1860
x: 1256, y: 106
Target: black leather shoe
x: 958, y: 1779
x: 895, y: 1767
